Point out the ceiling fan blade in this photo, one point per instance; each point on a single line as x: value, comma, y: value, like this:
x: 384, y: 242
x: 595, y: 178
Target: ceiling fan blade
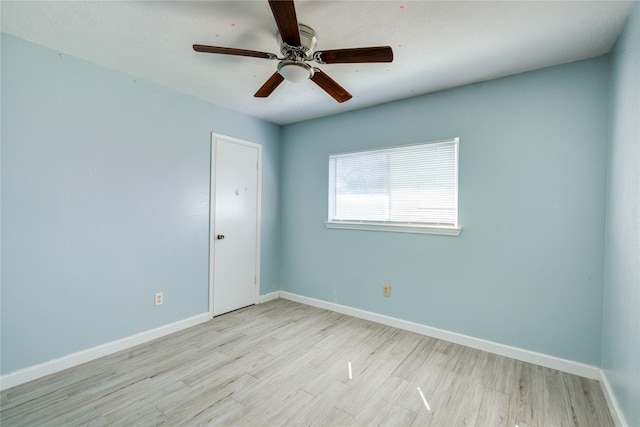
x: 269, y: 86
x: 233, y: 51
x: 285, y: 14
x: 330, y: 86
x: 355, y: 55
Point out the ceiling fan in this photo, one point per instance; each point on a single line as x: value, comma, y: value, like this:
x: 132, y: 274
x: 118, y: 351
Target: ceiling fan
x: 297, y: 45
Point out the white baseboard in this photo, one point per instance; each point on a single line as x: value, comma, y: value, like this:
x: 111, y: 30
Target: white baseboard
x: 31, y: 373
x: 541, y: 359
x: 614, y: 407
x: 592, y: 372
x: 268, y: 297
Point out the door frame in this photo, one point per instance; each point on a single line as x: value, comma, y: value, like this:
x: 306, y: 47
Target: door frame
x: 212, y: 211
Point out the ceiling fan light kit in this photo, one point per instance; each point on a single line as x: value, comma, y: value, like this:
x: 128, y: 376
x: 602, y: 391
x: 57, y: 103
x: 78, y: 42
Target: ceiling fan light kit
x: 297, y: 45
x: 295, y: 71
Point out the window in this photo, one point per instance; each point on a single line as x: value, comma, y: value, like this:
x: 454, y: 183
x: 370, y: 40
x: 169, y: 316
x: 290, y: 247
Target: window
x: 412, y: 188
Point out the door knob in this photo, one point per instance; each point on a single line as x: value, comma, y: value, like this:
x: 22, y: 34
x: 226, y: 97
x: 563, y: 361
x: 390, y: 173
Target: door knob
x: 220, y: 237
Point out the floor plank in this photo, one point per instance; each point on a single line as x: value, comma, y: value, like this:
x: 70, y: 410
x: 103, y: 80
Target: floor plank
x: 494, y: 408
x: 286, y: 364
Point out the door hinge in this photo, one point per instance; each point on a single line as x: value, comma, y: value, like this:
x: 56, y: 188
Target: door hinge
x: 255, y: 280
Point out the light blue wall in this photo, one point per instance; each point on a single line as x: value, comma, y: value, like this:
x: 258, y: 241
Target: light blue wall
x: 621, y: 335
x: 105, y: 201
x: 527, y: 270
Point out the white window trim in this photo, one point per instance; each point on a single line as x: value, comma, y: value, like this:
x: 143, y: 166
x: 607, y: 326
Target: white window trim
x: 398, y: 228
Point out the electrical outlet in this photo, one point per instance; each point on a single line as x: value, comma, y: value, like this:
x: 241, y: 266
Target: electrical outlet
x: 159, y: 298
x: 386, y: 290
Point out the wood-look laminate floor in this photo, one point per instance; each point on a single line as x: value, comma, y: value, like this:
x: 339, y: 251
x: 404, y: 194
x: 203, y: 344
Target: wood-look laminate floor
x: 287, y: 364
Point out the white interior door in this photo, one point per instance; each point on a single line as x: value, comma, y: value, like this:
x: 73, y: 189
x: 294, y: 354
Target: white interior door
x: 236, y: 223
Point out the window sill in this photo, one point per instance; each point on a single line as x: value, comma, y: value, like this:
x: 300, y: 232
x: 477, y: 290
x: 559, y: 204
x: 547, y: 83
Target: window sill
x: 397, y: 228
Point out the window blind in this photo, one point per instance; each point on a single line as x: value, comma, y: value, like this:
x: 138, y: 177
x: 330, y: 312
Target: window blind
x: 414, y: 184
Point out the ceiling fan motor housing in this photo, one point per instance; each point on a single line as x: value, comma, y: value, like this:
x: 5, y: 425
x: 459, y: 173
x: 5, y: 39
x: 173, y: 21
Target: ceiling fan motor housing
x: 304, y: 52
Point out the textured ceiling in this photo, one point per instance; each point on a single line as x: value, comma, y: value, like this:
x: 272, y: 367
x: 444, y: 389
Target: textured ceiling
x: 437, y: 44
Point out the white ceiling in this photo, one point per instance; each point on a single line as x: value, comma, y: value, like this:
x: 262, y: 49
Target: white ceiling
x: 436, y: 44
